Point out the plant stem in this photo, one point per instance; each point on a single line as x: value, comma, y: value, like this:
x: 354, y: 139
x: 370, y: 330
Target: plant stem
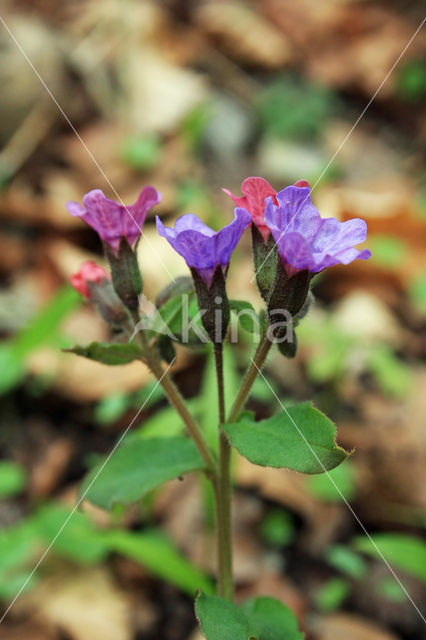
x: 255, y: 366
x: 223, y: 492
x: 176, y: 399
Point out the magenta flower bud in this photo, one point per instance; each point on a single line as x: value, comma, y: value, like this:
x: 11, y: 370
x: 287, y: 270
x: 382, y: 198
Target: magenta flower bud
x: 306, y: 241
x: 113, y: 221
x: 89, y: 272
x: 202, y: 248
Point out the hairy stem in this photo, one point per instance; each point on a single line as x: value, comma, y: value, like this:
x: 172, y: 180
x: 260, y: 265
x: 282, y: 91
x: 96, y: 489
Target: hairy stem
x: 176, y: 399
x: 223, y: 492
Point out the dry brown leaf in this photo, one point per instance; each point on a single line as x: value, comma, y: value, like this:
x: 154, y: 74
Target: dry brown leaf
x: 84, y: 603
x: 349, y: 627
x: 234, y: 24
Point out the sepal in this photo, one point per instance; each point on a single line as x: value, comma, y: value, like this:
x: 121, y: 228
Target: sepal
x: 126, y: 277
x: 289, y: 293
x: 265, y: 255
x: 107, y: 302
x: 213, y: 304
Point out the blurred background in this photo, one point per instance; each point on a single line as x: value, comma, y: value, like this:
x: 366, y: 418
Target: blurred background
x: 190, y: 97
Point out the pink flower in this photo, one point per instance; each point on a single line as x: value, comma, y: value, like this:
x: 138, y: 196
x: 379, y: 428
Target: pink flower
x: 88, y: 272
x: 112, y: 220
x: 256, y: 190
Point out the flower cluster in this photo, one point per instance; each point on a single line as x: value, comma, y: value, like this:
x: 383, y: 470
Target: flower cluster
x: 286, y: 220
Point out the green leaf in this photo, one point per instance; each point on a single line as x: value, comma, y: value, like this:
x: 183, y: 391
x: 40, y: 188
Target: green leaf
x: 78, y: 540
x: 401, y: 551
x: 247, y: 316
x: 277, y: 528
x: 220, y: 619
x: 270, y: 619
x: 300, y: 438
x: 260, y: 619
x: 141, y: 152
x: 40, y: 330
x: 390, y: 589
x: 112, y: 353
x: 156, y: 553
x: 12, y: 478
x: 388, y: 251
x: 343, y: 487
x: 139, y: 466
x: 331, y: 594
x: 347, y: 561
x: 393, y: 375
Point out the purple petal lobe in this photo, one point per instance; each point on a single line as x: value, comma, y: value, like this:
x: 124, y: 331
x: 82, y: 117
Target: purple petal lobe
x: 307, y: 241
x: 112, y: 220
x: 200, y: 246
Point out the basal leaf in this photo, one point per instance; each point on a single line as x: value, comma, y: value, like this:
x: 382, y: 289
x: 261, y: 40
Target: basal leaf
x: 220, y: 619
x: 112, y: 353
x: 270, y: 619
x: 299, y: 438
x: 258, y: 619
x: 139, y: 466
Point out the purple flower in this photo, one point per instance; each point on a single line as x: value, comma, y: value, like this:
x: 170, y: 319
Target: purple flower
x: 112, y: 220
x: 307, y: 241
x: 201, y: 247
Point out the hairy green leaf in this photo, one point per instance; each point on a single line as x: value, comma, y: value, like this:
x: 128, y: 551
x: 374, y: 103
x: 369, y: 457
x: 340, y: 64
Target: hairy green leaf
x: 112, y: 353
x: 258, y: 619
x: 299, y: 438
x: 139, y: 466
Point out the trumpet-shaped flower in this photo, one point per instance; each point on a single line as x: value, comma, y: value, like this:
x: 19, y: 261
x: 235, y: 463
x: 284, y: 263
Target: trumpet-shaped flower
x: 256, y: 190
x: 307, y: 241
x: 112, y: 220
x: 202, y: 248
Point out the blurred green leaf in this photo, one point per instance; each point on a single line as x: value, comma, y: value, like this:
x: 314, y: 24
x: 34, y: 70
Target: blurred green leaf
x: 111, y: 353
x: 78, y: 540
x: 301, y: 438
x: 41, y: 329
x: 347, y: 561
x: 291, y: 108
x: 138, y: 466
x: 388, y: 251
x: 111, y: 408
x: 156, y: 553
x: 330, y: 596
x: 247, y: 316
x: 277, y: 528
x: 141, y: 152
x: 390, y: 589
x: 322, y: 486
x: 401, y: 551
x: 392, y: 374
x: 411, y: 80
x: 13, y: 478
x: 417, y: 293
x: 194, y: 125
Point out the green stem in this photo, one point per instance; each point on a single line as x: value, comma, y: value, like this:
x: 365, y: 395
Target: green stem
x: 176, y: 399
x: 223, y: 492
x: 255, y: 366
